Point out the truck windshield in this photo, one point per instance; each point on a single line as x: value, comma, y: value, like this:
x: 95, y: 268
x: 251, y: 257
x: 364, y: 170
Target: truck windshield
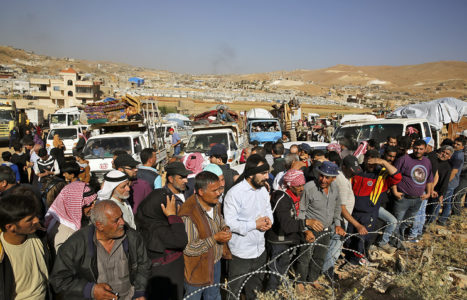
x: 104, y: 148
x: 379, y: 132
x: 204, y: 142
x: 58, y: 119
x: 265, y: 126
x: 6, y: 115
x: 347, y: 132
x: 64, y: 133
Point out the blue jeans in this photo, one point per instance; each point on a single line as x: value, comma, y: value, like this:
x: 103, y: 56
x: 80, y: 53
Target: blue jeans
x: 419, y: 221
x: 212, y: 293
x: 404, y: 211
x: 391, y: 223
x: 447, y: 205
x: 334, y: 251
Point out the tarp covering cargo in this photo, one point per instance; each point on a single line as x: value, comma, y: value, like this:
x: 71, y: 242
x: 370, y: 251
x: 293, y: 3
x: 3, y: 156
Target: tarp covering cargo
x: 437, y: 112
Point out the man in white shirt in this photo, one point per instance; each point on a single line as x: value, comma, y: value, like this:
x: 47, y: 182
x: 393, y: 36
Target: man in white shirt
x: 247, y: 211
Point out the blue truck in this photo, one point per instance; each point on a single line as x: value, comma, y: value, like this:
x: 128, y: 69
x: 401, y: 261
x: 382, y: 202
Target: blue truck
x: 262, y: 126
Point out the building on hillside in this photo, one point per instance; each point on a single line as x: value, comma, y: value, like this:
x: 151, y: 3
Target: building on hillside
x: 69, y: 89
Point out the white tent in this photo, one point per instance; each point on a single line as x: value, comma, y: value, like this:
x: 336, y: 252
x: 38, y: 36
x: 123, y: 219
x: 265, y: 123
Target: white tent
x: 437, y: 112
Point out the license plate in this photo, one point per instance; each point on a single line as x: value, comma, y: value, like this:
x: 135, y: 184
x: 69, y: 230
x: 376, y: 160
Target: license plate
x: 103, y: 166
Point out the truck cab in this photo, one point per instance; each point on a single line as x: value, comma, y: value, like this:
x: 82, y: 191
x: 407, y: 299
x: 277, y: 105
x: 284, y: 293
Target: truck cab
x: 380, y: 129
x: 64, y: 117
x: 206, y: 136
x: 99, y: 149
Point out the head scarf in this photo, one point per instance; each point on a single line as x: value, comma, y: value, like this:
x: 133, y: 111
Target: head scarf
x: 334, y: 147
x: 111, y: 180
x: 67, y: 207
x: 194, y: 162
x: 294, y: 178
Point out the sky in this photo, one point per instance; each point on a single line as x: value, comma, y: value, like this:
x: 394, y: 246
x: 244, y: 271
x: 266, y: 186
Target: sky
x: 240, y: 36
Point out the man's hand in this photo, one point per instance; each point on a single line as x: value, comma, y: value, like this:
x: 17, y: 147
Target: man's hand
x: 398, y: 195
x: 362, y: 230
x: 440, y: 199
x: 434, y: 194
x: 340, y: 231
x: 314, y: 224
x: 223, y: 236
x: 262, y: 223
x: 424, y: 196
x: 170, y: 209
x: 309, y: 236
x: 103, y: 291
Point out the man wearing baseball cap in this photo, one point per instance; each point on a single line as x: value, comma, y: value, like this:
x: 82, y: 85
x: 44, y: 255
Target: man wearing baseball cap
x: 369, y: 188
x: 320, y: 203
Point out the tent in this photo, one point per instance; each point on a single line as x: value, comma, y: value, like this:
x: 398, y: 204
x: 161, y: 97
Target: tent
x: 437, y: 112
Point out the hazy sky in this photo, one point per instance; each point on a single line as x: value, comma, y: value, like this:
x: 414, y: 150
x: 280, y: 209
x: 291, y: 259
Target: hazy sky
x: 238, y: 36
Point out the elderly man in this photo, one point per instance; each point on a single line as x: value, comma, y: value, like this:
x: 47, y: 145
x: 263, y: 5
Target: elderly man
x: 320, y: 203
x: 105, y: 260
x: 139, y: 188
x: 116, y: 187
x: 248, y: 213
x: 207, y: 235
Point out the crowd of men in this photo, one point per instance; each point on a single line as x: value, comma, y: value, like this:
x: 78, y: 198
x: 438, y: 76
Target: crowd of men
x: 140, y: 236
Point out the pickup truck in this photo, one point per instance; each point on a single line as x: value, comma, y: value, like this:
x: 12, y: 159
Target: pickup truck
x: 380, y: 129
x: 206, y: 136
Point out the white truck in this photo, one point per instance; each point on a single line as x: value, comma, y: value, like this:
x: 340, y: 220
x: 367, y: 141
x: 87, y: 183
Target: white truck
x: 64, y: 117
x: 380, y: 129
x: 35, y: 116
x: 206, y: 136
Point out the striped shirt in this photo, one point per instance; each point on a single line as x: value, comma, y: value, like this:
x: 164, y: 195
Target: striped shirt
x: 197, y: 246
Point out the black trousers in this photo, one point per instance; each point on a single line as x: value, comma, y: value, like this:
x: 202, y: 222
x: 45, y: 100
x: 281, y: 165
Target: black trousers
x: 167, y: 281
x: 239, y: 266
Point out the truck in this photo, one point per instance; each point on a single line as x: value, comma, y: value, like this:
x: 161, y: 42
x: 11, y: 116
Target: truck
x: 380, y: 129
x: 262, y: 126
x: 206, y: 136
x: 65, y: 117
x: 130, y: 134
x: 35, y: 116
x: 7, y: 119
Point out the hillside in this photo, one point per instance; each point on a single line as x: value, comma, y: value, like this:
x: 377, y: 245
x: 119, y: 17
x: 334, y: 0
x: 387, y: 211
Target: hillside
x: 423, y: 81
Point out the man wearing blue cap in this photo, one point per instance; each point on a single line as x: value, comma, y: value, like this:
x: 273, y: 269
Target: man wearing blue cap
x: 320, y: 203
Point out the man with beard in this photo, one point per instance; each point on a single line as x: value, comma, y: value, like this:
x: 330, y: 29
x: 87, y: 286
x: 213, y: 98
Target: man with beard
x: 24, y: 257
x: 441, y: 184
x: 416, y: 185
x: 207, y: 235
x: 248, y: 213
x: 139, y: 188
x: 321, y: 204
x: 105, y: 260
x: 69, y: 212
x: 164, y: 234
x: 116, y: 187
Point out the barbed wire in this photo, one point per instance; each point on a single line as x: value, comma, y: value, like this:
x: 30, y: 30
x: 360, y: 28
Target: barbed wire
x: 288, y: 285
